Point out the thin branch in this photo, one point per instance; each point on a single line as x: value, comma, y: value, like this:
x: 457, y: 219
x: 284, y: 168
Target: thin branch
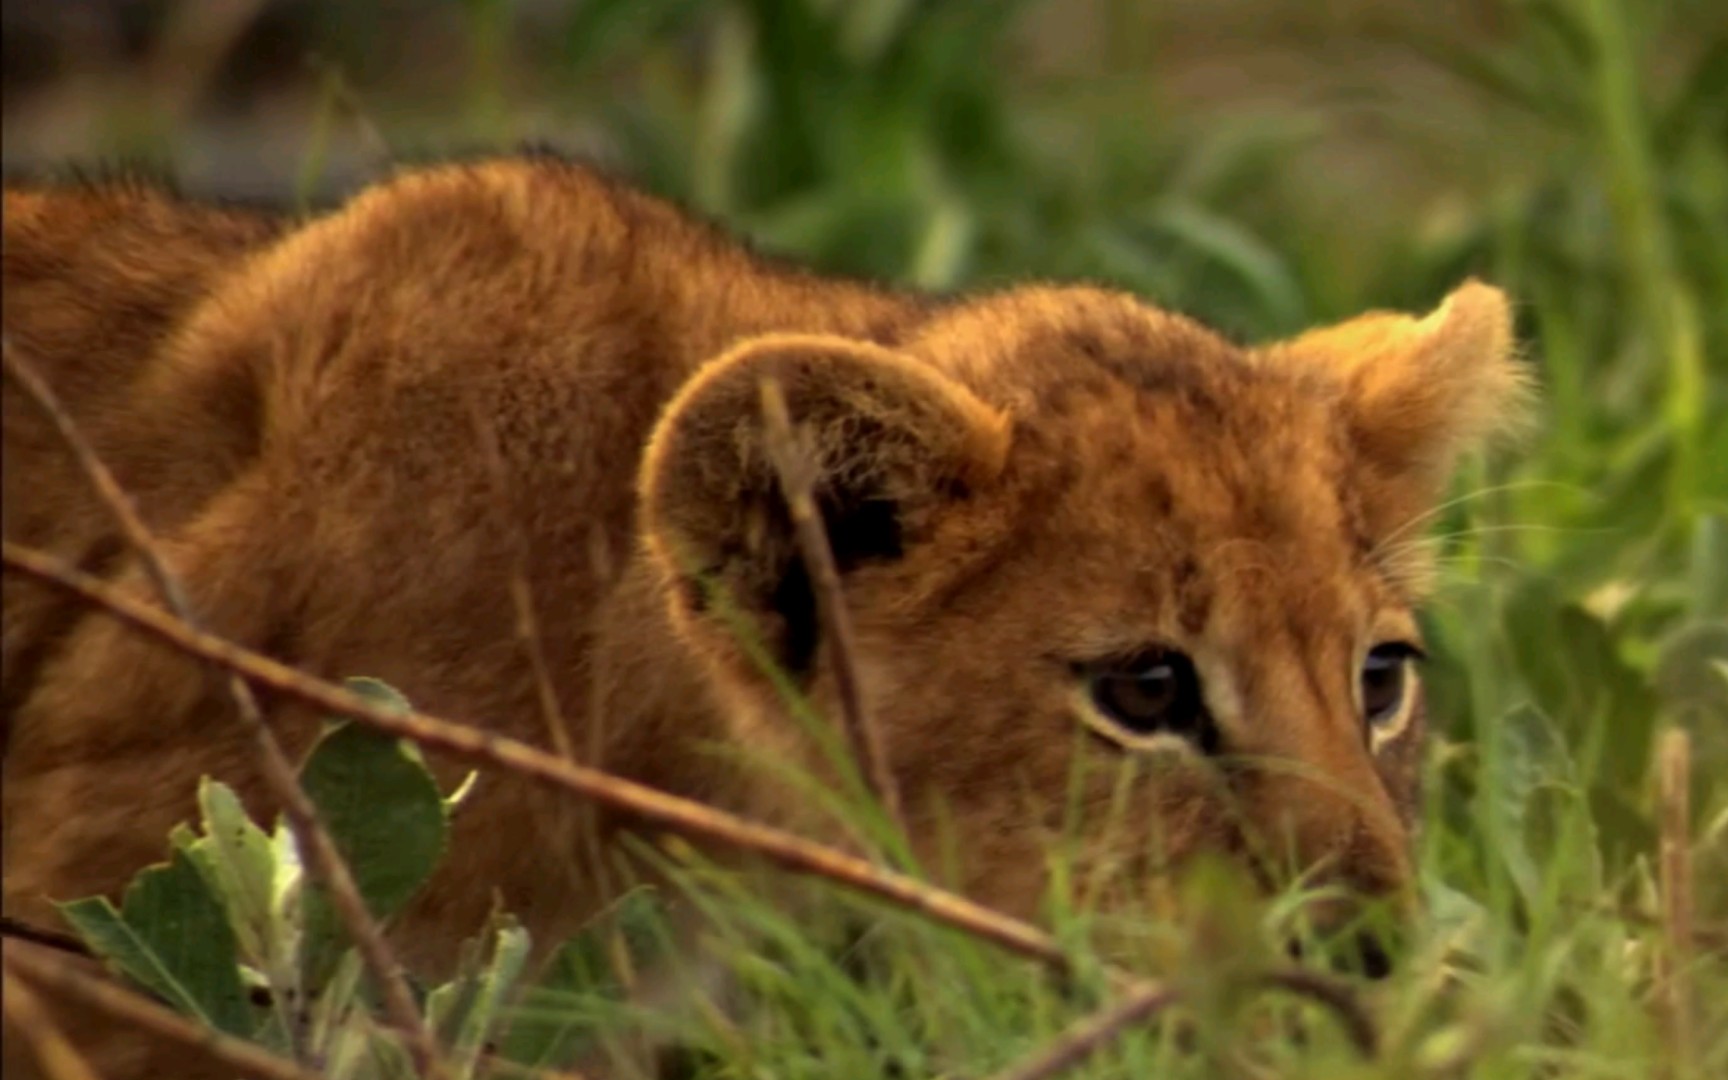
x: 1673, y: 979
x: 108, y: 489
x: 323, y: 859
x: 54, y: 972
x: 1144, y: 999
x: 48, y: 939
x: 796, y: 467
x: 1086, y: 1037
x: 55, y: 1055
x: 679, y: 815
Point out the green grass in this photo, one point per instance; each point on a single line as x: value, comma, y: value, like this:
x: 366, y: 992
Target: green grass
x: 1585, y: 603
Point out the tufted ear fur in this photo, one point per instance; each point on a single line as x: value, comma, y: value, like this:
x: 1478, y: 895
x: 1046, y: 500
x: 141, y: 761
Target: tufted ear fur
x: 1418, y: 392
x: 893, y: 441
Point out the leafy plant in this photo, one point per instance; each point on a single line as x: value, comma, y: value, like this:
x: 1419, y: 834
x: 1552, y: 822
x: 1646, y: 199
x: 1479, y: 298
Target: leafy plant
x: 231, y: 933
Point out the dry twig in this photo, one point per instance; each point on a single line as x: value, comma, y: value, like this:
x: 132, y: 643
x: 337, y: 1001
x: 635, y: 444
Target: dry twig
x: 59, y: 974
x: 326, y: 863
x: 1673, y: 979
x: 1087, y: 1036
x: 48, y: 939
x: 1142, y: 1000
x: 796, y: 467
x: 684, y: 816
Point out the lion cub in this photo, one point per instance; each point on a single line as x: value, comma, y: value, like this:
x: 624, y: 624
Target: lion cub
x: 1074, y: 531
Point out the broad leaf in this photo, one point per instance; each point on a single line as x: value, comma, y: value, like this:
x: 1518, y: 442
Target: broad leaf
x: 171, y: 936
x: 384, y: 812
x: 235, y: 858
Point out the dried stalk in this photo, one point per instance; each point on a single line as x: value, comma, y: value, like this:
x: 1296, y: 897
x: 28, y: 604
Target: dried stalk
x: 1674, y: 960
x: 1143, y: 1000
x: 51, y: 971
x: 55, y: 1056
x: 796, y: 468
x: 679, y: 815
x: 325, y: 862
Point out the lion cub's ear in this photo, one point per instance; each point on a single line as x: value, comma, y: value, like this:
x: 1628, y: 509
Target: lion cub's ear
x: 893, y: 441
x: 1418, y: 392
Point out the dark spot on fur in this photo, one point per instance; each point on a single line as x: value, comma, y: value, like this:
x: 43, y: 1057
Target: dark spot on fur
x: 886, y: 331
x: 1155, y: 490
x: 281, y: 641
x: 1203, y: 406
x: 1059, y: 399
x: 1085, y: 341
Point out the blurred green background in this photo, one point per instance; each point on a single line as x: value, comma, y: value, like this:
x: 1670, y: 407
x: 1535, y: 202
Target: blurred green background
x: 1261, y: 164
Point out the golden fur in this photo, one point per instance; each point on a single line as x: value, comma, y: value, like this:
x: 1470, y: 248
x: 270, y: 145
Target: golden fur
x: 351, y: 432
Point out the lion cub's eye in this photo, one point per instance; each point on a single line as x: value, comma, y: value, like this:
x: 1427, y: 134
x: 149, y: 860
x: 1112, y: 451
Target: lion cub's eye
x: 1385, y: 680
x: 1154, y: 693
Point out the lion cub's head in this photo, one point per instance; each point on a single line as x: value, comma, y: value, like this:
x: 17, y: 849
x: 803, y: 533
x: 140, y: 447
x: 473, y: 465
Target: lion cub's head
x: 1075, y: 532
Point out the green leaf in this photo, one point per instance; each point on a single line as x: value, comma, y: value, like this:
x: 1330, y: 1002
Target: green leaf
x: 383, y: 810
x: 240, y: 865
x: 1708, y: 578
x: 1525, y: 742
x: 236, y: 860
x: 1572, y: 663
x: 360, y: 1049
x: 334, y: 1007
x: 465, y: 1010
x: 170, y: 936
